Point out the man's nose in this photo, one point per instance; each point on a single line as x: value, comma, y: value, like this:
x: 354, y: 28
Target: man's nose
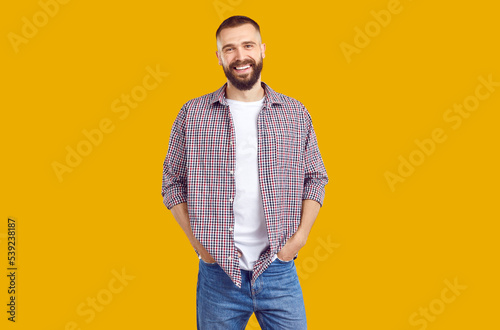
x: 239, y: 55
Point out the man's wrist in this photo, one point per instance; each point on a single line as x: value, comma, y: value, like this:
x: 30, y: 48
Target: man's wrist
x: 299, y: 239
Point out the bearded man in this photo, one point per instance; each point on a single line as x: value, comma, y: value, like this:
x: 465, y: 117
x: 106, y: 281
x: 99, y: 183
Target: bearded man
x: 245, y: 180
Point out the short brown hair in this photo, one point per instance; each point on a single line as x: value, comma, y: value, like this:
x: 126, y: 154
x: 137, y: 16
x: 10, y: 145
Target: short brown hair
x: 235, y: 21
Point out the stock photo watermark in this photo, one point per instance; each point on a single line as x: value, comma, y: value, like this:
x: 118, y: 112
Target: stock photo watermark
x: 98, y: 302
x: 306, y: 266
x: 372, y: 29
x: 323, y: 250
x: 12, y: 271
x: 455, y: 116
x: 437, y: 306
x: 222, y: 6
x: 121, y: 107
x: 30, y: 27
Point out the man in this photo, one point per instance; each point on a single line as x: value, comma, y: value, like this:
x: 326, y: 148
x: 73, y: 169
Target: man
x: 245, y: 180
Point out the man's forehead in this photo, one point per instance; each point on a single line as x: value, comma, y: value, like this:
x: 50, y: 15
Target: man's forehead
x: 245, y: 32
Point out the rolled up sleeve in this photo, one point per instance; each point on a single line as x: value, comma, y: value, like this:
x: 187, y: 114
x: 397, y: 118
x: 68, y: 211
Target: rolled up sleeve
x: 315, y: 178
x: 174, y: 183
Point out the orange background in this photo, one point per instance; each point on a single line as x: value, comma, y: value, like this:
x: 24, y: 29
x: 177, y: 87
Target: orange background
x: 392, y: 250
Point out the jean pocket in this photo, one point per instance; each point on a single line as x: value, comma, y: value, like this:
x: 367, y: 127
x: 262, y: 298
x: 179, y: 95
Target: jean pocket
x: 208, y: 263
x: 283, y: 261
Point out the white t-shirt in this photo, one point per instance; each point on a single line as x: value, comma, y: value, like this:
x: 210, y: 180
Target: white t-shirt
x: 250, y: 232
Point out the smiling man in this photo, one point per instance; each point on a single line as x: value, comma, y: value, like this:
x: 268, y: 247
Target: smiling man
x: 245, y: 180
x: 242, y: 72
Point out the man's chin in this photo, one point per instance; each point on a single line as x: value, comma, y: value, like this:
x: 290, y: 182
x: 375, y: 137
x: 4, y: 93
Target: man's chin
x: 242, y: 82
x: 242, y: 79
x: 245, y: 75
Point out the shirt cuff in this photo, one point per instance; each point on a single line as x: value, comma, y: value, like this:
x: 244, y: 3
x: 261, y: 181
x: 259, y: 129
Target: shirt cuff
x: 314, y: 192
x: 172, y: 199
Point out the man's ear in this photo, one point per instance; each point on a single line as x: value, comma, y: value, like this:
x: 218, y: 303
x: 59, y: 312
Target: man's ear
x: 263, y: 50
x: 218, y: 57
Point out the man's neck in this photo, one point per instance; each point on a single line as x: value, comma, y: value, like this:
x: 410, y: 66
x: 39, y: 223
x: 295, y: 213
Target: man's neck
x: 255, y: 94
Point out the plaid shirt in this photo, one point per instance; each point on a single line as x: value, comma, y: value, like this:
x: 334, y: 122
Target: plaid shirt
x: 200, y: 163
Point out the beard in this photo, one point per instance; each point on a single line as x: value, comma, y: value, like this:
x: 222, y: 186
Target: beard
x: 245, y: 81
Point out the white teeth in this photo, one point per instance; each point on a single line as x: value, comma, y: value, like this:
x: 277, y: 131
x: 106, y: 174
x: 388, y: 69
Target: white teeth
x: 242, y: 67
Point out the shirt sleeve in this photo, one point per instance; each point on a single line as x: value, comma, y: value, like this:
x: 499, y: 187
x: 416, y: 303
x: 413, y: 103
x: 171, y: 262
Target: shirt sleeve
x: 315, y: 178
x: 174, y: 183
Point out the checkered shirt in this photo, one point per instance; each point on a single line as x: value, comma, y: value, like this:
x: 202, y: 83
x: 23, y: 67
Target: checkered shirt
x: 200, y: 163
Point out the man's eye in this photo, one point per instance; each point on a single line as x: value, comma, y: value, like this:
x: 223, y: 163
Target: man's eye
x: 249, y: 46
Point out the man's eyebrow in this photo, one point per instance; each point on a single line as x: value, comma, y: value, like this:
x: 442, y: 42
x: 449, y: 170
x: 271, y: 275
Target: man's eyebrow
x: 243, y: 43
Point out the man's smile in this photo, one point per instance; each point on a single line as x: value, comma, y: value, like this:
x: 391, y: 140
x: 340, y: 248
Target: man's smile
x: 243, y: 68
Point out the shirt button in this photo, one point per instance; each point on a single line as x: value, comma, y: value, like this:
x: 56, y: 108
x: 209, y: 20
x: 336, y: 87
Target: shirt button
x: 229, y: 258
x: 230, y: 143
x: 230, y: 228
x: 231, y: 172
x: 230, y: 199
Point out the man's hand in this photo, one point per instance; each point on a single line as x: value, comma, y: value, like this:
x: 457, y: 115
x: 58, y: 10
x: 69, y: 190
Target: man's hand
x: 292, y: 246
x: 310, y: 210
x: 207, y: 258
x: 181, y: 215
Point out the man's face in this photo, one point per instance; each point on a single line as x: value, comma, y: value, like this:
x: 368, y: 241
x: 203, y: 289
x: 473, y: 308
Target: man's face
x: 241, y: 54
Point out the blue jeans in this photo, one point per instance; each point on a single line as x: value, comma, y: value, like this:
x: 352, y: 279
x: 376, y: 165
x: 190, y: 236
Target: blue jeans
x: 275, y: 298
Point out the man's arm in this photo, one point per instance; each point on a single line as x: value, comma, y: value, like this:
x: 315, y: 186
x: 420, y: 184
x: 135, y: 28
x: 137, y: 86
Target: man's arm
x: 315, y: 179
x: 181, y: 215
x: 174, y: 184
x: 310, y: 210
x: 315, y: 176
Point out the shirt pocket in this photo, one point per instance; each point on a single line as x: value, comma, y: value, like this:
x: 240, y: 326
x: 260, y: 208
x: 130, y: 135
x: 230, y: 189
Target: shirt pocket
x: 288, y: 150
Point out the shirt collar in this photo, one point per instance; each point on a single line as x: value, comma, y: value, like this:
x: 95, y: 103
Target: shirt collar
x: 270, y: 96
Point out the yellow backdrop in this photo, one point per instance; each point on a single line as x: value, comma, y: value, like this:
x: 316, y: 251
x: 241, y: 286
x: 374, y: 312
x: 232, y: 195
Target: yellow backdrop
x: 404, y: 96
